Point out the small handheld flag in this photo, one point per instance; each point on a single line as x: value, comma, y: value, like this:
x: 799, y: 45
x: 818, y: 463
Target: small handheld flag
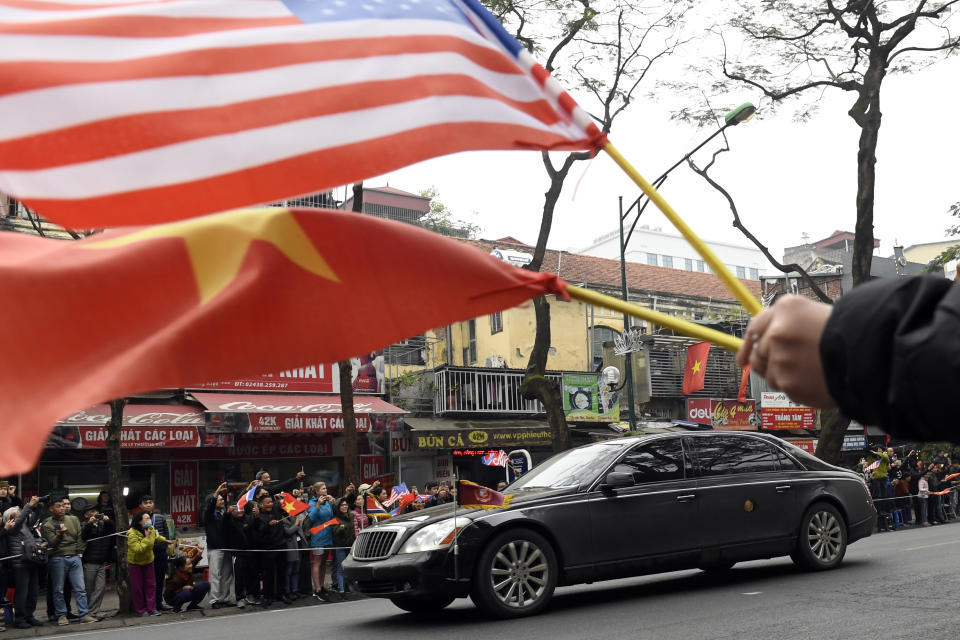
x: 291, y: 505
x: 471, y: 495
x: 695, y: 373
x: 395, y: 493
x: 375, y: 509
x: 247, y: 497
x: 321, y: 527
x: 495, y: 458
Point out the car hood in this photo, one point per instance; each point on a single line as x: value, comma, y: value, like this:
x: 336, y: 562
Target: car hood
x: 441, y: 512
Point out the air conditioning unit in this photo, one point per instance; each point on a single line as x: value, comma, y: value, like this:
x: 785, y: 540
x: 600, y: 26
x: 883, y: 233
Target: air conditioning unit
x: 495, y: 362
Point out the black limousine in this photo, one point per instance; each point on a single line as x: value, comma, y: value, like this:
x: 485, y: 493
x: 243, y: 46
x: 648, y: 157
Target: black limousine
x: 614, y: 509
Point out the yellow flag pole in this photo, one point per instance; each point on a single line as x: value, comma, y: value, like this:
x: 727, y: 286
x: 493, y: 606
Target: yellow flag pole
x: 680, y: 326
x: 733, y: 285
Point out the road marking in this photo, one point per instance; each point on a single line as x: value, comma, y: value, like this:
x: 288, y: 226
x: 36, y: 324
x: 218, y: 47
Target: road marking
x: 930, y: 546
x: 751, y: 593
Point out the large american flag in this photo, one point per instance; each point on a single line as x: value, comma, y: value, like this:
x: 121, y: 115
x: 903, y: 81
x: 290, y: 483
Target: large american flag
x: 117, y: 112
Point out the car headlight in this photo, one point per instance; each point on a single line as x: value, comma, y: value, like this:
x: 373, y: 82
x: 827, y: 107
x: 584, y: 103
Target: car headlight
x: 435, y: 536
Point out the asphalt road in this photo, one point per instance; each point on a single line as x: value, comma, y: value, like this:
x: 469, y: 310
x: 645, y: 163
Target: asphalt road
x: 889, y: 585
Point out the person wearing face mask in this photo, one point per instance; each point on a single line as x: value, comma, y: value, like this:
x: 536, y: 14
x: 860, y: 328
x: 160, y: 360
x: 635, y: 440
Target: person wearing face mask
x: 160, y: 560
x: 141, y: 539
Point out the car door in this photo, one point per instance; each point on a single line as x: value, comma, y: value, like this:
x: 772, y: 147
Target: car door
x: 746, y: 503
x: 651, y: 525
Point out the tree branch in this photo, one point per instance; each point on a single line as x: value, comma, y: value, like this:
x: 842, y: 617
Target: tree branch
x: 788, y: 268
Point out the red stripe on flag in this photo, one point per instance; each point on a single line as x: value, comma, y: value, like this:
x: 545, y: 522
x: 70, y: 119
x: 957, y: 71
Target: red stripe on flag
x: 150, y: 130
x: 34, y: 5
x: 141, y: 26
x: 308, y: 173
x: 30, y: 75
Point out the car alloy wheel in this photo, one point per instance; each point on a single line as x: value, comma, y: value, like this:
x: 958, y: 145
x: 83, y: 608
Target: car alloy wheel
x: 516, y: 575
x: 823, y: 538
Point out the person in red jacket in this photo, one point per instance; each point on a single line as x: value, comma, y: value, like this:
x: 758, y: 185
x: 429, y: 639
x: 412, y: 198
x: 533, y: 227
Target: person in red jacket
x: 181, y: 590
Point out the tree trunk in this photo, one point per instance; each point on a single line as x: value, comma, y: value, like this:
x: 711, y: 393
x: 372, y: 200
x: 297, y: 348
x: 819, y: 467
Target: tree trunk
x: 537, y: 386
x: 866, y: 113
x: 351, y: 460
x: 833, y: 426
x: 115, y: 470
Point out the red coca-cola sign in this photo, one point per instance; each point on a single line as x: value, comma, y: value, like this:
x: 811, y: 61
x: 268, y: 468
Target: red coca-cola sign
x: 135, y: 415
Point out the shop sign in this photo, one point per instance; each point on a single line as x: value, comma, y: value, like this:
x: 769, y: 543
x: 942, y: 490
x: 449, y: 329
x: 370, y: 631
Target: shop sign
x: 184, y: 505
x: 854, y: 443
x: 371, y: 468
x: 141, y: 437
x: 314, y: 446
x: 585, y: 401
x: 808, y: 445
x: 299, y: 422
x: 432, y: 440
x: 724, y: 415
x: 367, y: 376
x: 443, y: 469
x: 400, y: 444
x: 781, y: 413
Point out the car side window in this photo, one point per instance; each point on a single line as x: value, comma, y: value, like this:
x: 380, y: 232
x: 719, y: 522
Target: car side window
x: 730, y: 454
x: 654, y: 461
x: 787, y: 463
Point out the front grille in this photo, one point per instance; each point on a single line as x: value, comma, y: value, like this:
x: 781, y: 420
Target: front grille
x: 376, y: 586
x: 374, y: 544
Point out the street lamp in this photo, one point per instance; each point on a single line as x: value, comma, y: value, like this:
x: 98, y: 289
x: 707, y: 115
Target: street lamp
x: 741, y: 114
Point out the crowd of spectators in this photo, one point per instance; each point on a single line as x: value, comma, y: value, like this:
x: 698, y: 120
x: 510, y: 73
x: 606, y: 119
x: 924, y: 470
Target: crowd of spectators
x: 910, y: 490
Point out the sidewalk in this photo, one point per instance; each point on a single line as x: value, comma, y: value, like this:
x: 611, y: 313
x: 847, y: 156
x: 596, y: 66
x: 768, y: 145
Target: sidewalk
x: 111, y: 605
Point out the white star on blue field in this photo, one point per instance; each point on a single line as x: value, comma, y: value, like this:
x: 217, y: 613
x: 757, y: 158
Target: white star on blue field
x: 335, y: 10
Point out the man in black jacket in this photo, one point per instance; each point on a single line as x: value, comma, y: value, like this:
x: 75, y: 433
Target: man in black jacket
x: 272, y: 487
x: 270, y: 540
x: 238, y: 533
x: 219, y: 561
x: 27, y: 575
x: 98, y: 530
x: 887, y: 354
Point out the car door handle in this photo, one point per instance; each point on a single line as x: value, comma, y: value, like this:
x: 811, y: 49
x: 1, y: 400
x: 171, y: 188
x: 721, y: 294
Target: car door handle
x: 783, y: 488
x: 686, y: 498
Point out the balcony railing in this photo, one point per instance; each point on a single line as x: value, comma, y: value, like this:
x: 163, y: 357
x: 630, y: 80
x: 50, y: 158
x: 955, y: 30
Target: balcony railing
x: 478, y: 391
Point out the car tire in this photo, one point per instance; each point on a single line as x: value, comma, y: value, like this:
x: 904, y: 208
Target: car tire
x: 717, y: 567
x: 516, y: 574
x: 822, y: 542
x: 423, y: 604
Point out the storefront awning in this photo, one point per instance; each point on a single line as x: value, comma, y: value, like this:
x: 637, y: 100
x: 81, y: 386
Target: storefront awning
x: 432, y: 434
x: 145, y: 426
x: 274, y: 413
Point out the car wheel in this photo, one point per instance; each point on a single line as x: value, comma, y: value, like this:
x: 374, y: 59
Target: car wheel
x: 823, y: 538
x: 717, y: 567
x: 516, y: 574
x: 422, y: 604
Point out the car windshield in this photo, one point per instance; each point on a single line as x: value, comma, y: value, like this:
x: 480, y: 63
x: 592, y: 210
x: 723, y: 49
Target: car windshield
x: 570, y: 468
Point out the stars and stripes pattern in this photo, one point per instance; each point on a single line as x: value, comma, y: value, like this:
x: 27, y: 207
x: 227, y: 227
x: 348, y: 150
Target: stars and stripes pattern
x: 495, y: 458
x: 118, y: 112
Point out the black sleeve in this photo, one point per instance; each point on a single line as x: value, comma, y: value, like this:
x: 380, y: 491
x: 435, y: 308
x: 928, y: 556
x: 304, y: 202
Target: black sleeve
x: 891, y: 356
x: 287, y: 485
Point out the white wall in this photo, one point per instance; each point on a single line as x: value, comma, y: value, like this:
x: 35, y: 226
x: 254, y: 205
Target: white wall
x: 651, y: 241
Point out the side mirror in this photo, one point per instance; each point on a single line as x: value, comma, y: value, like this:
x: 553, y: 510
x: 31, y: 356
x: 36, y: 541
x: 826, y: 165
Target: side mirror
x: 617, y: 479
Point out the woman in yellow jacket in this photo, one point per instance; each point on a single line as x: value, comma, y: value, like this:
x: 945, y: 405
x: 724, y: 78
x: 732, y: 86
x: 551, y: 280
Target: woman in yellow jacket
x: 143, y: 583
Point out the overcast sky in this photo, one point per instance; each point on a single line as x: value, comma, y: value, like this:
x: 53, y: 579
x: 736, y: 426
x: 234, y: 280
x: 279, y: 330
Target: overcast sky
x: 787, y: 178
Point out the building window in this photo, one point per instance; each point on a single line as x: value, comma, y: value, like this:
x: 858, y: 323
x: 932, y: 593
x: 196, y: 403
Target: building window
x: 741, y: 272
x: 600, y: 335
x: 688, y: 264
x: 700, y: 266
x: 496, y: 322
x: 471, y: 350
x: 754, y: 274
x: 652, y: 259
x: 668, y: 262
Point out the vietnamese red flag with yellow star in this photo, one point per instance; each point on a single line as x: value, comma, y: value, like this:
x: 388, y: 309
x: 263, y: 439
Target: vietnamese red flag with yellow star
x: 694, y: 374
x: 220, y: 296
x: 291, y: 505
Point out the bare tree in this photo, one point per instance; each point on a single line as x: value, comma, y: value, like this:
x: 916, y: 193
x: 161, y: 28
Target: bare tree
x: 605, y: 49
x: 794, y: 48
x: 115, y: 471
